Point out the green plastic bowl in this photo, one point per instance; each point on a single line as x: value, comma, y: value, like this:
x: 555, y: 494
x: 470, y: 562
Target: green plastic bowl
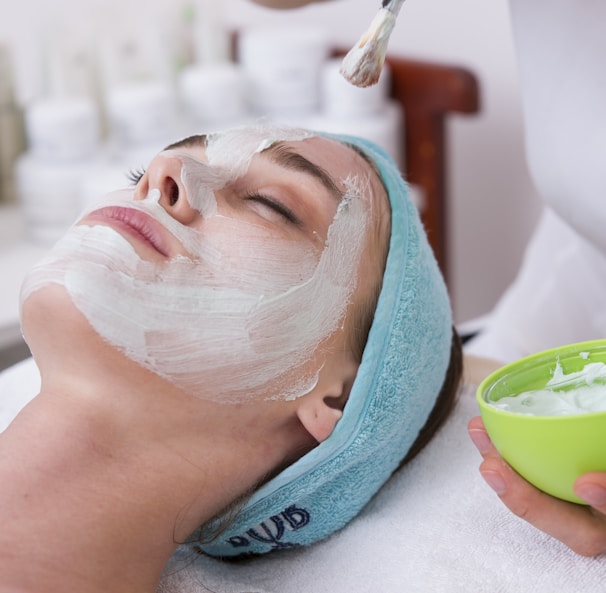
x: 551, y: 452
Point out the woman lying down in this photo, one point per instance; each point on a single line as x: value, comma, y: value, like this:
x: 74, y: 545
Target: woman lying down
x: 224, y: 349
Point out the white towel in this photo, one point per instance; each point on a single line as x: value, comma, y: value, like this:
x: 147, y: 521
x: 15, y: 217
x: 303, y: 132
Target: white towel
x: 436, y: 527
x: 18, y: 385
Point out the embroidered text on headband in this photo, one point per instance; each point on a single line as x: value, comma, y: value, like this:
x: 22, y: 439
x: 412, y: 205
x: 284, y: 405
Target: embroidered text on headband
x: 401, y: 373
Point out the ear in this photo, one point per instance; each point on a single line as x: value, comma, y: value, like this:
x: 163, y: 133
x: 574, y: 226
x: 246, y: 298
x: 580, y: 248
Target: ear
x: 317, y: 417
x: 321, y: 409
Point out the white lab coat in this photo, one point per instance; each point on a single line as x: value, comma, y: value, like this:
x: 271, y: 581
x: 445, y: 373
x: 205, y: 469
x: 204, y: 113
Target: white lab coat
x: 559, y: 295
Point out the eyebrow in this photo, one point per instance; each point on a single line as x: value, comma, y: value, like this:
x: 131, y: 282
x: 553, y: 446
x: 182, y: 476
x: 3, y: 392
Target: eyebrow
x: 280, y: 154
x: 198, y: 140
x: 287, y: 158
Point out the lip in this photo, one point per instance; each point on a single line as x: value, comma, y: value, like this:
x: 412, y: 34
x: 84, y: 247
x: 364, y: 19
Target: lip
x: 134, y: 223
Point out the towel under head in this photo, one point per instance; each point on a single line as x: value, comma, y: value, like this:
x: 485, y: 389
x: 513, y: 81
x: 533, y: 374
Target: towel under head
x: 402, y: 370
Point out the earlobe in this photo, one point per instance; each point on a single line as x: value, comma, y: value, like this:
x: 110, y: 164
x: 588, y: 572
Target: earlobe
x: 317, y: 417
x: 321, y: 409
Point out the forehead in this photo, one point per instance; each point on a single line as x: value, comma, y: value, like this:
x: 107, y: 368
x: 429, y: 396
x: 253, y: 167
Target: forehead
x: 338, y: 160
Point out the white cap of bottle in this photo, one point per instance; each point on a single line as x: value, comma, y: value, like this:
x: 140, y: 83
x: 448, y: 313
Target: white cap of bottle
x: 141, y: 112
x: 283, y: 68
x: 213, y: 94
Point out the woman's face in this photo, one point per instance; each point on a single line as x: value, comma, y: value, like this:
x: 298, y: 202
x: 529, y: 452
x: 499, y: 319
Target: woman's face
x: 230, y: 263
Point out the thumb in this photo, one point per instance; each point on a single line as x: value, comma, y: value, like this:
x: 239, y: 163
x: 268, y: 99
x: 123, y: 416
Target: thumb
x: 591, y: 487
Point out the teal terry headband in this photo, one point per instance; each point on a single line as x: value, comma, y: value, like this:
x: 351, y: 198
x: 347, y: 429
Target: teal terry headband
x: 400, y: 376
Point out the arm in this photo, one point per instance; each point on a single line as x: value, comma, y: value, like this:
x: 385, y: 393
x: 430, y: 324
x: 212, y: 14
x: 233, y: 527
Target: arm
x: 581, y: 528
x: 285, y: 4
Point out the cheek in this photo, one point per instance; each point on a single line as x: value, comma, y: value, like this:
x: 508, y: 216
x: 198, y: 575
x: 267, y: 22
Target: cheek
x: 232, y: 254
x: 195, y: 323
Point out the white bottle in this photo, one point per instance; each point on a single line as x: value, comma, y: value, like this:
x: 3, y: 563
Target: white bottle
x: 283, y: 67
x: 63, y: 140
x: 212, y: 89
x: 366, y: 112
x: 213, y: 97
x: 142, y: 120
x: 142, y: 116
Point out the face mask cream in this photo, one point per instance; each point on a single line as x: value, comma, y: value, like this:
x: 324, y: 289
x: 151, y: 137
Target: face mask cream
x: 242, y: 315
x: 580, y: 392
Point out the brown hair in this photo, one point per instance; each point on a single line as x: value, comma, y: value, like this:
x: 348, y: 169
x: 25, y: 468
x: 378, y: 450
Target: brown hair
x: 444, y: 403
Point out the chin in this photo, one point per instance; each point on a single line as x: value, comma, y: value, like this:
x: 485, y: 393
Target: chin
x: 53, y: 328
x: 66, y: 348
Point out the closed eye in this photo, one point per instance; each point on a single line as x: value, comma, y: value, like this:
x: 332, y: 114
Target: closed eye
x: 276, y: 206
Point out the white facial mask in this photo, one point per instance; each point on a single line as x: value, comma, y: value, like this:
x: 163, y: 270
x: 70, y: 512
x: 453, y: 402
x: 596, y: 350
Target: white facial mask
x: 243, y: 316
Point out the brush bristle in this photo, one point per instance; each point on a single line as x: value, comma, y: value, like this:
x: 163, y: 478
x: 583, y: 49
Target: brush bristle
x: 362, y: 66
x: 363, y: 63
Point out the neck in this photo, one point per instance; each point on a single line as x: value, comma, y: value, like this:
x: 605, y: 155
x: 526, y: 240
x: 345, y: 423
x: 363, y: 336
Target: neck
x: 102, y: 489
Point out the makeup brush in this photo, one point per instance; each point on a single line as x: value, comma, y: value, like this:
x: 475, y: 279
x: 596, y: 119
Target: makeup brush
x: 363, y: 63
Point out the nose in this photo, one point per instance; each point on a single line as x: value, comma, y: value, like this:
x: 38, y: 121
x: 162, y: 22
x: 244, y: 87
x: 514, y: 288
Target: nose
x: 164, y: 174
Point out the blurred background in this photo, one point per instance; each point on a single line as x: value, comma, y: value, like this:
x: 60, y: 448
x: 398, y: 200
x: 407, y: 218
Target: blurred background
x: 101, y: 85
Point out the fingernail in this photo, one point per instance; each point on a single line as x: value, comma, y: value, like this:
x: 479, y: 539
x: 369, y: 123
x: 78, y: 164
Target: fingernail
x: 480, y: 440
x: 495, y: 481
x: 594, y: 494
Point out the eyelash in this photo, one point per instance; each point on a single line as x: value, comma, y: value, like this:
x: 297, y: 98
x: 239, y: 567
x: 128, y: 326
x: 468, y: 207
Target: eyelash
x: 134, y: 175
x: 278, y: 207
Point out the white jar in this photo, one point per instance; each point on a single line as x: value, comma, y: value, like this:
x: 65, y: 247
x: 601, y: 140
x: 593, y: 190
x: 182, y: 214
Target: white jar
x: 64, y: 136
x: 365, y: 112
x: 213, y: 96
x: 141, y: 113
x: 50, y: 195
x: 62, y: 129
x: 104, y: 178
x: 283, y: 68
